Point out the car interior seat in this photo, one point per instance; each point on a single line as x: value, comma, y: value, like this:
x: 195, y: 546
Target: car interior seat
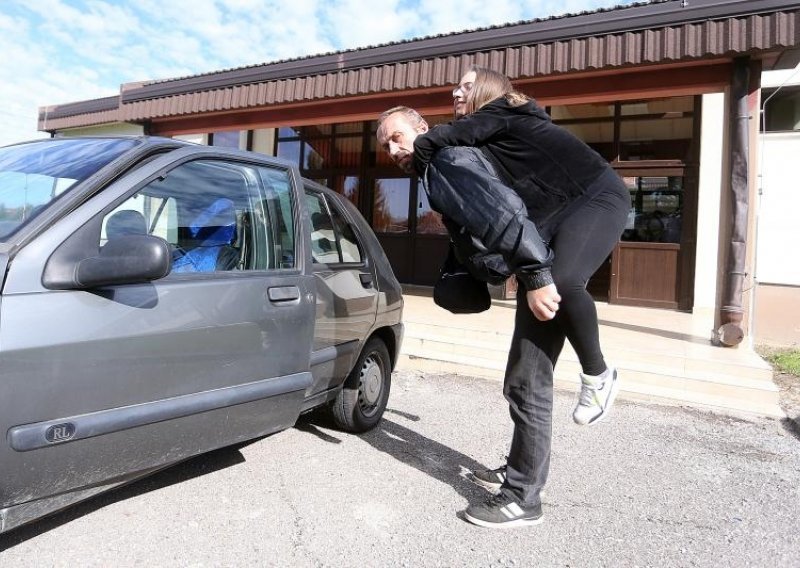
x: 323, y: 239
x: 126, y: 222
x: 213, y: 230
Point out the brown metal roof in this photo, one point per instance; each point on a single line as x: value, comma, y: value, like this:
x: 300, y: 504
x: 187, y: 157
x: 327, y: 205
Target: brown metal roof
x: 636, y: 35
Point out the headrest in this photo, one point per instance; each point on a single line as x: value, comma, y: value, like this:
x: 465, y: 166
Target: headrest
x: 321, y: 221
x: 126, y: 222
x: 215, y: 225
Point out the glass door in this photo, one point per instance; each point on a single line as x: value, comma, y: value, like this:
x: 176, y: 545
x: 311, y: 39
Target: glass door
x: 646, y: 264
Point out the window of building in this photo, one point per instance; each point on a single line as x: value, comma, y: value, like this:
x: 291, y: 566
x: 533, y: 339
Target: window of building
x: 781, y: 109
x: 658, y: 129
x: 322, y: 147
x: 429, y: 222
x: 647, y: 130
x: 656, y: 209
x: 390, y: 205
x: 330, y: 154
x: 225, y: 138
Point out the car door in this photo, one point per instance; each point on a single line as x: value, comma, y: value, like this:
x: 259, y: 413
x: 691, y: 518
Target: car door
x: 347, y: 294
x: 112, y: 382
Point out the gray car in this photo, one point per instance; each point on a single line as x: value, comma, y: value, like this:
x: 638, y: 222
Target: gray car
x: 162, y: 299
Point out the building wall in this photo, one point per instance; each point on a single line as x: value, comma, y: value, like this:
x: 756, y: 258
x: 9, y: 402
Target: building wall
x: 777, y: 307
x: 779, y: 209
x: 777, y: 315
x: 264, y: 141
x: 713, y: 163
x: 194, y: 138
x: 116, y: 129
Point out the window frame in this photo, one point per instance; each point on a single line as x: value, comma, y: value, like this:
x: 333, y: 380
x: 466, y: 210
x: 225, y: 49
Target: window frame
x: 204, y: 155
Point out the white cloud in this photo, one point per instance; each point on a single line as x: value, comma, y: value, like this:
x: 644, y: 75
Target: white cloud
x: 58, y: 51
x: 357, y: 23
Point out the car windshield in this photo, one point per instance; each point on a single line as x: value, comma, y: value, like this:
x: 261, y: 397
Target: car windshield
x: 33, y: 175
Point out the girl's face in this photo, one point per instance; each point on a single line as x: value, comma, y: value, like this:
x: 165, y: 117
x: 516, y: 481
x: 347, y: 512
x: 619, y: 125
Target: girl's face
x: 460, y: 93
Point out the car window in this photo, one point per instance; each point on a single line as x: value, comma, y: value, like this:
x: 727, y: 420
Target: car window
x: 347, y: 239
x: 332, y: 238
x: 216, y: 215
x: 33, y: 175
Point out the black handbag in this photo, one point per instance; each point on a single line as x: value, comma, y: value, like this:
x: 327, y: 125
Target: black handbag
x: 457, y: 290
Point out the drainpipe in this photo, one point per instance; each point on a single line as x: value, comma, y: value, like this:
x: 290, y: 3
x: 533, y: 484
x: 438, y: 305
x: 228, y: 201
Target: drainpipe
x: 731, y: 313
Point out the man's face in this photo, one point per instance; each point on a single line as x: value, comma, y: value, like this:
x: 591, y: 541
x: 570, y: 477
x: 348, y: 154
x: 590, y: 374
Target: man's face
x: 396, y: 137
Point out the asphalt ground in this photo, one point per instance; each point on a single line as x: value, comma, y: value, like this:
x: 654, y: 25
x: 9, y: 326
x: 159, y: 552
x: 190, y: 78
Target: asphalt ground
x: 651, y: 486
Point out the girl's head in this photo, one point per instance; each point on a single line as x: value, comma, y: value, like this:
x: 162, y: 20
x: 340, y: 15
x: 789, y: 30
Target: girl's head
x: 479, y: 86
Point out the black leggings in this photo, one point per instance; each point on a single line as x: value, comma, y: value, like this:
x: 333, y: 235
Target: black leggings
x: 581, y: 244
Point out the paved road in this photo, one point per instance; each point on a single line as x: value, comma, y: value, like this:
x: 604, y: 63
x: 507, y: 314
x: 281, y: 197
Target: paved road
x: 652, y: 486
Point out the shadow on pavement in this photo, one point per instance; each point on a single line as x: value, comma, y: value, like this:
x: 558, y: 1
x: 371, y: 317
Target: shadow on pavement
x: 792, y: 426
x: 305, y: 425
x: 428, y: 456
x: 406, y: 415
x: 409, y: 447
x: 189, y: 469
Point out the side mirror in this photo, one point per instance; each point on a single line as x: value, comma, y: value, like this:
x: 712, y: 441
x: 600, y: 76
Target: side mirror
x: 129, y: 259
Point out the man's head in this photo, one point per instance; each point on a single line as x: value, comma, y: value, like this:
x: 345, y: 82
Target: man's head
x: 398, y: 127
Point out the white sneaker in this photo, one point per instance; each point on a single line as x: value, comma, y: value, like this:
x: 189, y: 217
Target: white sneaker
x: 596, y: 398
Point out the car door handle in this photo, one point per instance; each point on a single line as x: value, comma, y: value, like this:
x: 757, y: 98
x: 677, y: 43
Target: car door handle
x: 282, y: 294
x: 366, y: 280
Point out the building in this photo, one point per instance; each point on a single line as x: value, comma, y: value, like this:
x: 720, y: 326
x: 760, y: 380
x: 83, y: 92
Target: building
x: 668, y: 91
x: 777, y: 268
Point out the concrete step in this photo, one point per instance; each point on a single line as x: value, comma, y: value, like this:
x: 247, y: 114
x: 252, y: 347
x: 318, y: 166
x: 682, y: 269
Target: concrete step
x: 628, y: 359
x: 698, y: 375
x: 699, y: 363
x: 635, y: 386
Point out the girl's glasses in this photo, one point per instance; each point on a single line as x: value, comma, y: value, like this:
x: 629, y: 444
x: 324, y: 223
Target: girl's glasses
x: 463, y: 88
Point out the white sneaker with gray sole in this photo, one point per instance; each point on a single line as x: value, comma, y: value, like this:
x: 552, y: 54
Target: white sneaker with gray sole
x: 596, y: 398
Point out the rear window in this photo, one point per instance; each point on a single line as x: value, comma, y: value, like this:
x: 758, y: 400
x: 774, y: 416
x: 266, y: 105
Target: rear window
x: 35, y: 174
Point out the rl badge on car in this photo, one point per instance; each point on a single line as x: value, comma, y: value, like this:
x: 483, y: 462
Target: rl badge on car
x: 60, y: 432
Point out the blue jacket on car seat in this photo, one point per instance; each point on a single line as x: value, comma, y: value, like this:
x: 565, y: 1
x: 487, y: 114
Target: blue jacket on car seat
x: 214, y: 229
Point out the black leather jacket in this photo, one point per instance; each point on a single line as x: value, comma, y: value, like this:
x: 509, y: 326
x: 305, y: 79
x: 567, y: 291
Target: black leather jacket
x: 551, y: 169
x: 485, y: 216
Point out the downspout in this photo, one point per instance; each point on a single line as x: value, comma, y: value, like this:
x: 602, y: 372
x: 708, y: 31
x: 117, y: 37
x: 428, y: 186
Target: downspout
x: 731, y: 313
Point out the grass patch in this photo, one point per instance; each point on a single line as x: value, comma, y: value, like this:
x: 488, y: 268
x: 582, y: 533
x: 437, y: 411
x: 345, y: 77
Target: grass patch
x: 785, y: 360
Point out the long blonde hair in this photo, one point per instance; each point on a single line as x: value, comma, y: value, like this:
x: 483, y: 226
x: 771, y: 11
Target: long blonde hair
x: 490, y: 85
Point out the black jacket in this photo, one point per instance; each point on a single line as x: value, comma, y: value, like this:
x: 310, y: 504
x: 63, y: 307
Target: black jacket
x: 545, y: 164
x: 485, y: 216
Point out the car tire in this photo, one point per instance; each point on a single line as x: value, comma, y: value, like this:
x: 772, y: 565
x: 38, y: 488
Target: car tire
x: 360, y: 404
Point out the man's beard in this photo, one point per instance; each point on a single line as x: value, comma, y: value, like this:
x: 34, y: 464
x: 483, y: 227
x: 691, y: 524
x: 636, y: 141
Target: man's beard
x: 407, y: 166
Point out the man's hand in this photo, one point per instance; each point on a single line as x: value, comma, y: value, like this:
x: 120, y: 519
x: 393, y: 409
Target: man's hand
x: 543, y: 302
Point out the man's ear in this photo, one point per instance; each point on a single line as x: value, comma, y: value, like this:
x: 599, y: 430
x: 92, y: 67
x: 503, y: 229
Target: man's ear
x: 422, y: 128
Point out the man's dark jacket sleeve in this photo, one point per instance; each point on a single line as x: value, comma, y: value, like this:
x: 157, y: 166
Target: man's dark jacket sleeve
x: 462, y: 186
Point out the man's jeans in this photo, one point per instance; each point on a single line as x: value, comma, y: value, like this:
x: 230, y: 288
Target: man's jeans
x: 528, y: 388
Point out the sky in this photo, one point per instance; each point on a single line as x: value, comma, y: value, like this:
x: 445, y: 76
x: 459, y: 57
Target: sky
x: 60, y: 51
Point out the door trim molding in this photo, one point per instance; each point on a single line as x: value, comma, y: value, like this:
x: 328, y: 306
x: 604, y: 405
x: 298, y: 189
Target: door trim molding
x: 59, y: 431
x: 330, y: 353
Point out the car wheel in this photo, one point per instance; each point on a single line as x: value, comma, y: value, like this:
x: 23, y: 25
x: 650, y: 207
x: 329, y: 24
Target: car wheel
x: 360, y: 404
